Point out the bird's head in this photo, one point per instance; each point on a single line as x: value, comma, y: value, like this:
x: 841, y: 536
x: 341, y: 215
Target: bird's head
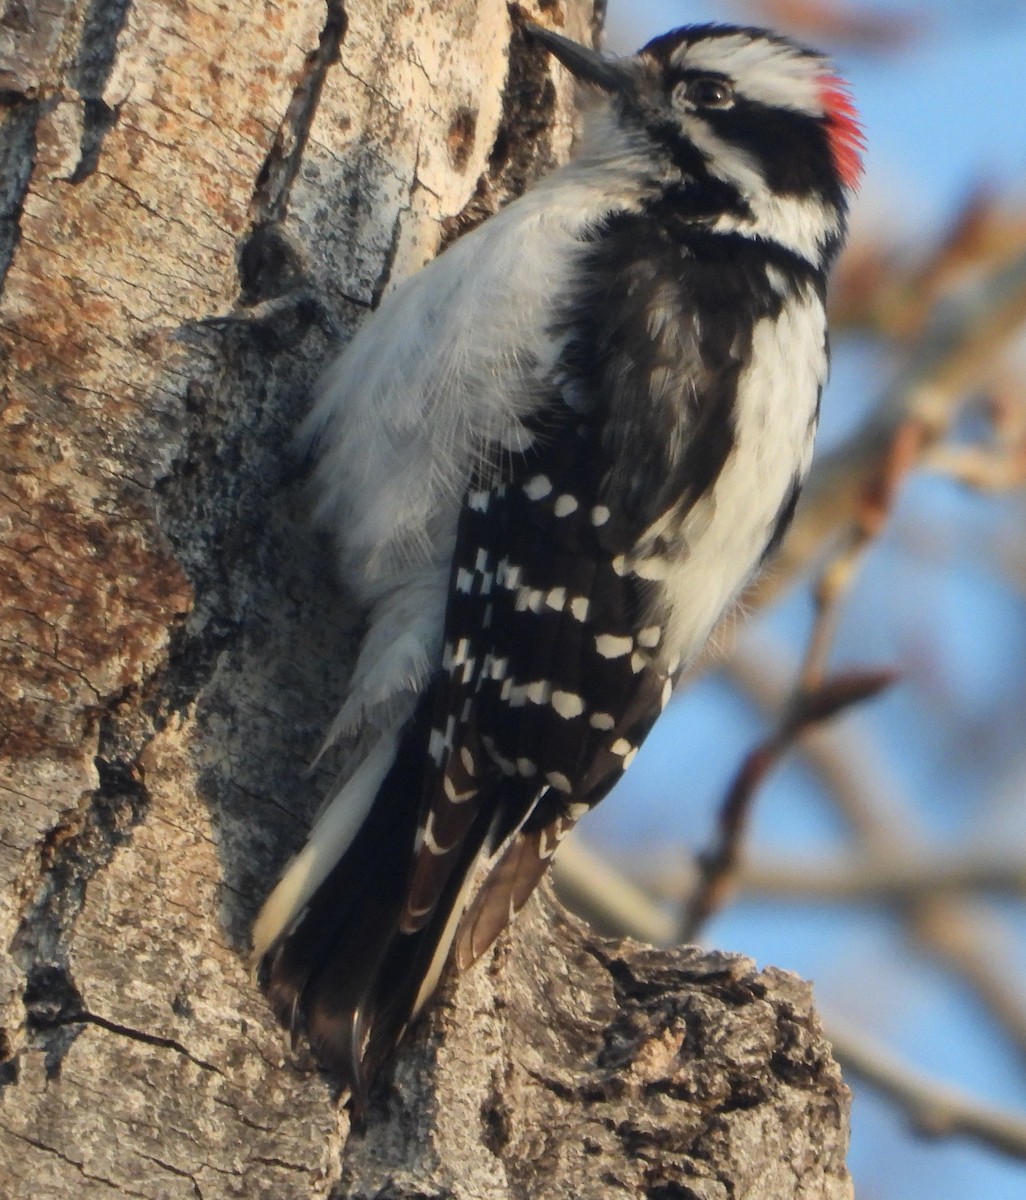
x: 746, y: 130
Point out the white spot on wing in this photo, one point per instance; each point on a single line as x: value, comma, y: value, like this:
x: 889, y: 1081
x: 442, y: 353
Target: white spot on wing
x: 565, y: 505
x: 655, y: 569
x: 556, y: 598
x: 429, y: 837
x: 611, y: 646
x: 537, y: 487
x: 567, y: 704
x: 507, y: 575
x: 579, y: 607
x: 459, y: 655
x: 505, y: 765
x: 436, y: 747
x: 453, y: 796
x: 529, y: 600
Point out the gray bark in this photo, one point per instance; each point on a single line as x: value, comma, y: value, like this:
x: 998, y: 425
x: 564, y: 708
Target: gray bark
x: 173, y: 645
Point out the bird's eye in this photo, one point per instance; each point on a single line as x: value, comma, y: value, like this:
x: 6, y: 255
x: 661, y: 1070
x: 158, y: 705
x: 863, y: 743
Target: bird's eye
x: 708, y: 91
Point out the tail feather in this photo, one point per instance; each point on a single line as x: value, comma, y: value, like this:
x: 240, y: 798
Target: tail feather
x: 319, y: 959
x: 330, y: 838
x: 510, y: 883
x: 341, y: 961
x: 344, y: 972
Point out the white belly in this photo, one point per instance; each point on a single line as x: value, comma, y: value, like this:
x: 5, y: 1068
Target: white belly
x: 727, y: 530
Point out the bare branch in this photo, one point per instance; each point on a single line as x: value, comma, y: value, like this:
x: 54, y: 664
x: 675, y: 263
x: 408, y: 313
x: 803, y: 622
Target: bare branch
x: 865, y: 879
x: 985, y: 469
x: 868, y: 797
x: 631, y: 900
x: 933, y: 1109
x: 967, y: 937
x: 808, y: 708
x: 889, y: 834
x: 890, y: 881
x: 589, y: 885
x: 875, y: 290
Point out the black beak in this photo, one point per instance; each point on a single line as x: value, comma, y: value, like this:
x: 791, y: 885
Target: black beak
x: 583, y: 63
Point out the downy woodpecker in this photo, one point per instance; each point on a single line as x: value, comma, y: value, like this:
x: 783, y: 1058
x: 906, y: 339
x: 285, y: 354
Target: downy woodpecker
x: 550, y: 461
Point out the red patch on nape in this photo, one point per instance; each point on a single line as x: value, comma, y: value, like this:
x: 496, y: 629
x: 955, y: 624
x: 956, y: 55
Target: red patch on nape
x: 847, y: 141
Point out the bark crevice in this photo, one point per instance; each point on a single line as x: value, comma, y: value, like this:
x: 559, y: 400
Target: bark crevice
x: 285, y: 158
x: 17, y: 160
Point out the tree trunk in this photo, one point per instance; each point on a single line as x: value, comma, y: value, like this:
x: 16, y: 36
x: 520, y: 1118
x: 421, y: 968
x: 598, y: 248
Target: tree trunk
x: 173, y: 645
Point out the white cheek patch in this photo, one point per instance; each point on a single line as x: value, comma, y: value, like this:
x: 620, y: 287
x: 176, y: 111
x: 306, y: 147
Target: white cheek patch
x: 801, y: 223
x: 724, y: 160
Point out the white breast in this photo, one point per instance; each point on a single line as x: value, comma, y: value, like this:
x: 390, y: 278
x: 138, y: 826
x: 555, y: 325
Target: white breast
x: 727, y: 530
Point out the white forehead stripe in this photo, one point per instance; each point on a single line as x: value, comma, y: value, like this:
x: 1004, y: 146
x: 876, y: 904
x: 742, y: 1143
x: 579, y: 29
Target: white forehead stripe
x: 768, y: 72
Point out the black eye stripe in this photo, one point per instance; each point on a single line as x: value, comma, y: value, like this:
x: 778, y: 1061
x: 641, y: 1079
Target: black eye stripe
x: 702, y: 90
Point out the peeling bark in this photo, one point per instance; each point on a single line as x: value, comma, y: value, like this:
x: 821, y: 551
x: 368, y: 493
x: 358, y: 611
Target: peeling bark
x: 195, y: 203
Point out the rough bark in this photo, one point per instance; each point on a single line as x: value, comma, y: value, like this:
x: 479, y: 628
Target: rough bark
x: 173, y: 645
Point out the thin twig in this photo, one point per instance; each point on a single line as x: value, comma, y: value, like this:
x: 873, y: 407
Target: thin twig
x: 808, y: 708
x: 866, y: 879
x: 607, y: 898
x: 964, y: 935
x: 933, y: 1109
x: 984, y: 468
x: 887, y: 832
